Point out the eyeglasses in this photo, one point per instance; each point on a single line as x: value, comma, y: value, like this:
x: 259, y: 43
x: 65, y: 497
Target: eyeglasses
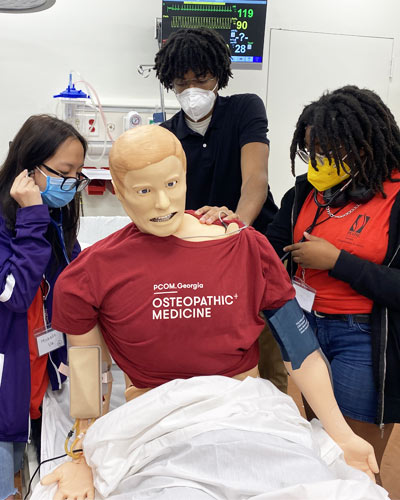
x: 305, y: 156
x: 79, y: 182
x: 180, y: 85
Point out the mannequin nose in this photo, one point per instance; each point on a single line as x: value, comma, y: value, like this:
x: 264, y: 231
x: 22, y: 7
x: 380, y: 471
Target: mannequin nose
x: 162, y: 201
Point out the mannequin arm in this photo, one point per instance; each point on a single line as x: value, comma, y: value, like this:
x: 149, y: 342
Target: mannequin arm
x: 75, y: 479
x: 95, y: 338
x: 313, y: 380
x: 303, y: 360
x: 128, y: 384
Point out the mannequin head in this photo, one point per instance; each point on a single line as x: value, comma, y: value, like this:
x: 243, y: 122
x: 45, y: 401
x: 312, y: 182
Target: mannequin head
x: 148, y: 169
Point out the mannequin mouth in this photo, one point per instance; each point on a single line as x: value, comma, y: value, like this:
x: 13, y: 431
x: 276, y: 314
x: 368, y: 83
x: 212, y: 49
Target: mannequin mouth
x: 164, y: 218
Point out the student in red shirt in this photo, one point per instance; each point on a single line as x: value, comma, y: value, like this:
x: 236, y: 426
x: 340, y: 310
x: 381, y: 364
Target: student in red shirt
x: 340, y: 225
x: 173, y: 298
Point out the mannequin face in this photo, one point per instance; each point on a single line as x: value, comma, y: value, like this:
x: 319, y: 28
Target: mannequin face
x: 154, y: 196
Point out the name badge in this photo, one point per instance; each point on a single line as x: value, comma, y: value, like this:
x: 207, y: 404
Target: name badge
x: 305, y: 295
x: 48, y: 340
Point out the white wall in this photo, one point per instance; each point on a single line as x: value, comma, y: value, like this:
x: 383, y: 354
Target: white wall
x: 103, y: 40
x: 356, y: 42
x: 106, y: 40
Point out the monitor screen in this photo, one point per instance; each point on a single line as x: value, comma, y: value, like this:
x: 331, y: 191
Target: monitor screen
x: 241, y: 24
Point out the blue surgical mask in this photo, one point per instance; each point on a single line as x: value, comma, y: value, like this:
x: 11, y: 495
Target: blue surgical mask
x: 53, y: 195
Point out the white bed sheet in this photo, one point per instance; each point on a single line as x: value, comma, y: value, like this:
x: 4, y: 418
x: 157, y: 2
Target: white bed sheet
x: 216, y: 438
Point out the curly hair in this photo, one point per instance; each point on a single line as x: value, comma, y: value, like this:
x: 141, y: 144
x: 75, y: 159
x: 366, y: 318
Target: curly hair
x: 358, y: 122
x: 200, y: 50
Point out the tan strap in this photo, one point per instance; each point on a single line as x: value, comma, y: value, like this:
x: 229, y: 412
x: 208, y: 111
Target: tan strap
x: 250, y: 373
x: 133, y: 392
x: 106, y: 376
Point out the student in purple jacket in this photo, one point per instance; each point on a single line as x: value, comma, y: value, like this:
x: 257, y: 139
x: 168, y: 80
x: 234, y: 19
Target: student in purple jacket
x: 39, y: 214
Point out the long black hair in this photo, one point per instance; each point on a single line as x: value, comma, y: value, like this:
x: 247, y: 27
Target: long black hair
x: 355, y: 121
x: 200, y: 50
x: 37, y: 141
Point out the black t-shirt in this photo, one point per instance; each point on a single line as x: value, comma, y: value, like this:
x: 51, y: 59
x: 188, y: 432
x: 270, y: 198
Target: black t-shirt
x: 214, y: 175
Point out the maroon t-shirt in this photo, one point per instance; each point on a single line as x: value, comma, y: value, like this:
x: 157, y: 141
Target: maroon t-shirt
x: 170, y: 308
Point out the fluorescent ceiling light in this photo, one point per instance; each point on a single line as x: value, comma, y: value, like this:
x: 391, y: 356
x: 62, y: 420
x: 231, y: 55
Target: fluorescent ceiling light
x: 23, y: 6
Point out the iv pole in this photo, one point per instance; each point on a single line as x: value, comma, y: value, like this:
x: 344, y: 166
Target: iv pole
x: 145, y: 69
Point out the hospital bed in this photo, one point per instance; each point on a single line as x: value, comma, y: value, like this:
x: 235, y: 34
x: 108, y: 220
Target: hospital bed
x: 204, y: 438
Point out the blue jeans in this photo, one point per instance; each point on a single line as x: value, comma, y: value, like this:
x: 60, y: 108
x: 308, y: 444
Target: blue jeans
x: 347, y: 346
x: 11, y: 455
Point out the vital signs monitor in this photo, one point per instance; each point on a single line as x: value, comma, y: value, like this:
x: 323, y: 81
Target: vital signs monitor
x: 241, y: 24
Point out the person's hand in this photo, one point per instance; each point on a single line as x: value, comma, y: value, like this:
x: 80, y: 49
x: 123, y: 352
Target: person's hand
x: 24, y: 191
x: 359, y: 454
x: 75, y: 481
x: 211, y: 214
x: 315, y: 253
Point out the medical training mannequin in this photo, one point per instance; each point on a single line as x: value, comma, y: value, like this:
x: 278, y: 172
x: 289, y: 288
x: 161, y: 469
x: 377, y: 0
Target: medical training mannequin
x: 148, y: 171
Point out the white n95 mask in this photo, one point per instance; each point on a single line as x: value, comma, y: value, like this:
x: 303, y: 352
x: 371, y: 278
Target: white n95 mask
x: 196, y: 102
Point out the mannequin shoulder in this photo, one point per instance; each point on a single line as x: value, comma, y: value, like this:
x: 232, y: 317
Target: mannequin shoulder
x: 192, y: 228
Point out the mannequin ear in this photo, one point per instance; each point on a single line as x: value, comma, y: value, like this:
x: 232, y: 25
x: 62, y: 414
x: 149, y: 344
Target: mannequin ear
x: 117, y: 193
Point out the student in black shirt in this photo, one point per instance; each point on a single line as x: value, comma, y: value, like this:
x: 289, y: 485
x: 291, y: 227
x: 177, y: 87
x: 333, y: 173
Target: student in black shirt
x: 225, y: 142
x: 224, y: 138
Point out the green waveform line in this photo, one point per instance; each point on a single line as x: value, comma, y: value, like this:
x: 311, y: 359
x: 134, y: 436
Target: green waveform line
x: 200, y: 8
x: 224, y: 23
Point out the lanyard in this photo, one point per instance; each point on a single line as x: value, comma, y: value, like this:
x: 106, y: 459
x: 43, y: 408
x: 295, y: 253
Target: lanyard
x: 45, y: 285
x: 60, y: 232
x: 314, y: 224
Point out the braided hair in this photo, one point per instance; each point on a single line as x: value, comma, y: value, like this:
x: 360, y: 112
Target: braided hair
x: 353, y: 121
x: 200, y: 50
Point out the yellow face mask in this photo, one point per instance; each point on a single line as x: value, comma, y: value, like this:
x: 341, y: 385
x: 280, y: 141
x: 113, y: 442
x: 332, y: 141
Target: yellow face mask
x: 327, y: 176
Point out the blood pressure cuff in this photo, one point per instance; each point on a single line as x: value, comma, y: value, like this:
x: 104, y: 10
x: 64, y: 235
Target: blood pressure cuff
x: 293, y: 332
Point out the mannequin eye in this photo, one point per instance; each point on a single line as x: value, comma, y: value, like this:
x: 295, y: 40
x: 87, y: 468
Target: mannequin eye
x: 144, y: 191
x: 172, y: 184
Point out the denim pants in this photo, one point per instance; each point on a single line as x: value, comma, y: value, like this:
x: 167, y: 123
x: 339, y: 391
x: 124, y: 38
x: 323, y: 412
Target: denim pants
x: 11, y: 455
x: 347, y: 346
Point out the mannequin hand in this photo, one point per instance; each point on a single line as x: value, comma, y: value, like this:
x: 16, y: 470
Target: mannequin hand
x: 24, y: 191
x: 315, y: 253
x: 75, y: 480
x: 359, y: 454
x: 211, y: 214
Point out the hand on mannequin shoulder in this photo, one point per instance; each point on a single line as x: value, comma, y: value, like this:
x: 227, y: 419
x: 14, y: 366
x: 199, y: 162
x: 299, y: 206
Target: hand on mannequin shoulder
x: 254, y: 190
x: 211, y: 214
x: 75, y: 480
